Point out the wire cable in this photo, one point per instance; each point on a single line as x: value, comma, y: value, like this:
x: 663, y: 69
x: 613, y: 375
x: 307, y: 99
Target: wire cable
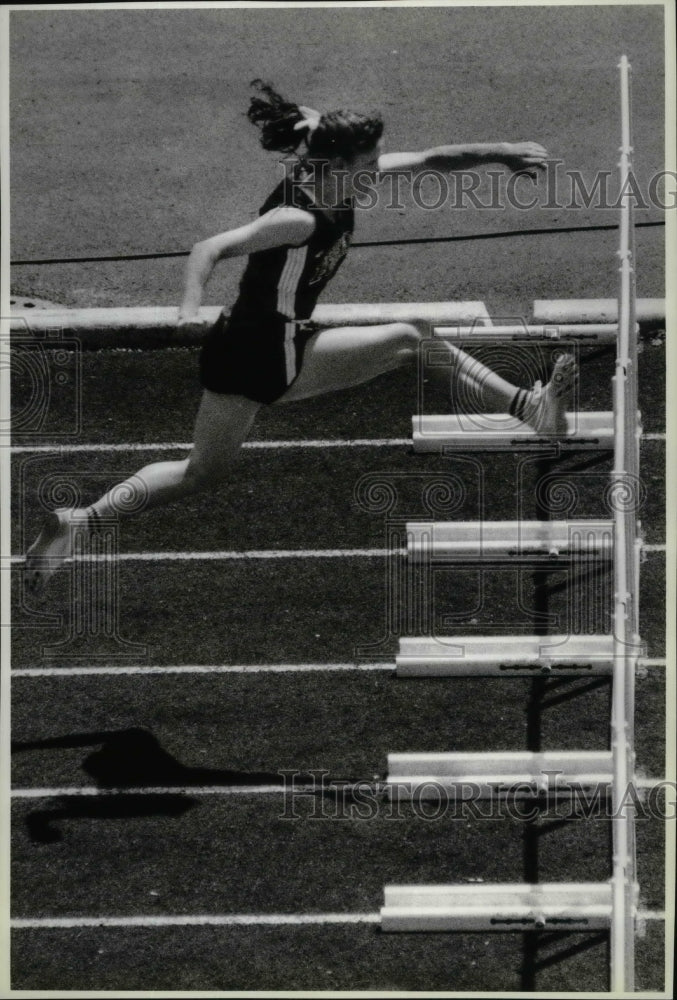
x: 508, y: 233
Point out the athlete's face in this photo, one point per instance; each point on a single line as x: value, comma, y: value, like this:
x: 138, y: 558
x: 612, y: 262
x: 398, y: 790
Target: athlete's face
x: 366, y: 162
x: 363, y: 167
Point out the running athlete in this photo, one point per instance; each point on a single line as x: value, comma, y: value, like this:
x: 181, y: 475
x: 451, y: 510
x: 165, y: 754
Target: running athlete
x: 267, y: 351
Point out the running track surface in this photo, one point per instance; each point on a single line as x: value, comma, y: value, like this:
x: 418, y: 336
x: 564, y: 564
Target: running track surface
x: 160, y: 844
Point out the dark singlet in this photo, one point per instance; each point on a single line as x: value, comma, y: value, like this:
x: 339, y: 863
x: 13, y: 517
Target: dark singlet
x: 288, y: 280
x: 258, y: 350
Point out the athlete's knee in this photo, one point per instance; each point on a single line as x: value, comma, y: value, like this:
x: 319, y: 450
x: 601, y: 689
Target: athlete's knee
x: 200, y: 477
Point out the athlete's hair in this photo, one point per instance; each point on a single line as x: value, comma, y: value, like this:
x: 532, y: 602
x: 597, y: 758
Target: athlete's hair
x: 337, y: 133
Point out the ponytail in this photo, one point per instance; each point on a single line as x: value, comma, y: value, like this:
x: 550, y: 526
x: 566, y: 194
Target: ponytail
x: 284, y: 126
x: 276, y: 118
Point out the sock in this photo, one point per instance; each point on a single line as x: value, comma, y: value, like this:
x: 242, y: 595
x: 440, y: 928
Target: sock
x: 518, y: 404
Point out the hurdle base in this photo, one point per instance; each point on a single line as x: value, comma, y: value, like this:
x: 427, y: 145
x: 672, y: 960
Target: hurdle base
x: 505, y: 656
x: 501, y: 432
x: 572, y: 906
x: 473, y: 541
x: 425, y: 776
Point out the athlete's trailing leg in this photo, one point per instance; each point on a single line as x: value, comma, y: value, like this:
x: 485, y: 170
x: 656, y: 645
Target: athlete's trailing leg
x: 222, y: 424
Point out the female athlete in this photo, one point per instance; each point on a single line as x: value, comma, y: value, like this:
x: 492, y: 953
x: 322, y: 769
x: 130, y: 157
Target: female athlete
x: 267, y: 351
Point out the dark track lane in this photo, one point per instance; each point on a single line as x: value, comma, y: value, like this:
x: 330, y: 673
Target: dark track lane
x: 175, y: 854
x: 311, y: 958
x: 304, y: 610
x: 116, y: 730
x: 156, y: 394
x: 314, y: 498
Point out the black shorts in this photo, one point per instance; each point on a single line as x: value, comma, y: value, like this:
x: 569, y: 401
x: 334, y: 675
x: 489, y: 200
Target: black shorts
x: 257, y: 358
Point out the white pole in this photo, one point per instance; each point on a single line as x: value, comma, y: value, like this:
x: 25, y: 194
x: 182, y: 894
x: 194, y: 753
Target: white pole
x: 625, y: 474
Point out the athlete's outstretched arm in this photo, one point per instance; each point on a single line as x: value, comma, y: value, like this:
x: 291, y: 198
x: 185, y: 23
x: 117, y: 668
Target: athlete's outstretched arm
x: 529, y: 156
x: 283, y: 226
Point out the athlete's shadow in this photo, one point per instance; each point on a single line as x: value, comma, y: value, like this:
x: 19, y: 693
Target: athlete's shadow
x: 135, y: 777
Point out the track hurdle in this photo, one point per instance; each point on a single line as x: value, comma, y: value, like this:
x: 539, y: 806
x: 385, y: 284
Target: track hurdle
x: 444, y: 433
x: 585, y: 906
x: 501, y: 432
x: 554, y: 655
x: 522, y: 774
x: 612, y: 905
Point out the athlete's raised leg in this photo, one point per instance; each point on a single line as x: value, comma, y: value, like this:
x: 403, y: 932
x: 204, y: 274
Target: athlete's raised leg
x: 348, y: 356
x: 221, y: 426
x: 343, y: 357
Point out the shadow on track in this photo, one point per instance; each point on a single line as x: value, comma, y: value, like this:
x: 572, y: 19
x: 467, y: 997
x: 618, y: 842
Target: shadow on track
x: 134, y: 759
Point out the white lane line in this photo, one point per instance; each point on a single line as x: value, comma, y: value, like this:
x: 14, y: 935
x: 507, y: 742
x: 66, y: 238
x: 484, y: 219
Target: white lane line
x: 220, y: 556
x: 222, y: 920
x: 181, y: 920
x: 57, y: 447
x: 92, y: 791
x: 200, y: 668
x: 215, y: 668
x: 186, y: 445
x: 254, y: 554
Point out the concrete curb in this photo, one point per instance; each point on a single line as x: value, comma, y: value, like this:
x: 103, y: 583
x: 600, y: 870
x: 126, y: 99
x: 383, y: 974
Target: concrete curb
x: 155, y: 326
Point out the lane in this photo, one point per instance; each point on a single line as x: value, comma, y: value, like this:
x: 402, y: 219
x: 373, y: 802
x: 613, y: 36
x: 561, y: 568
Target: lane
x: 157, y: 394
x: 186, y: 445
x: 333, y: 498
x: 332, y: 610
x: 308, y: 958
x: 208, y: 730
x: 211, y: 668
x: 176, y: 854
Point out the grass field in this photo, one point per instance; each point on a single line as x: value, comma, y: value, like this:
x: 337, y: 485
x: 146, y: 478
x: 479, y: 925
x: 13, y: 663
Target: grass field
x: 252, y: 631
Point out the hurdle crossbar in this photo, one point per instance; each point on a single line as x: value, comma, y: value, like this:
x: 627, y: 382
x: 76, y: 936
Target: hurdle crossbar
x: 422, y: 776
x: 505, y: 655
x: 546, y: 333
x: 582, y: 906
x: 649, y: 312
